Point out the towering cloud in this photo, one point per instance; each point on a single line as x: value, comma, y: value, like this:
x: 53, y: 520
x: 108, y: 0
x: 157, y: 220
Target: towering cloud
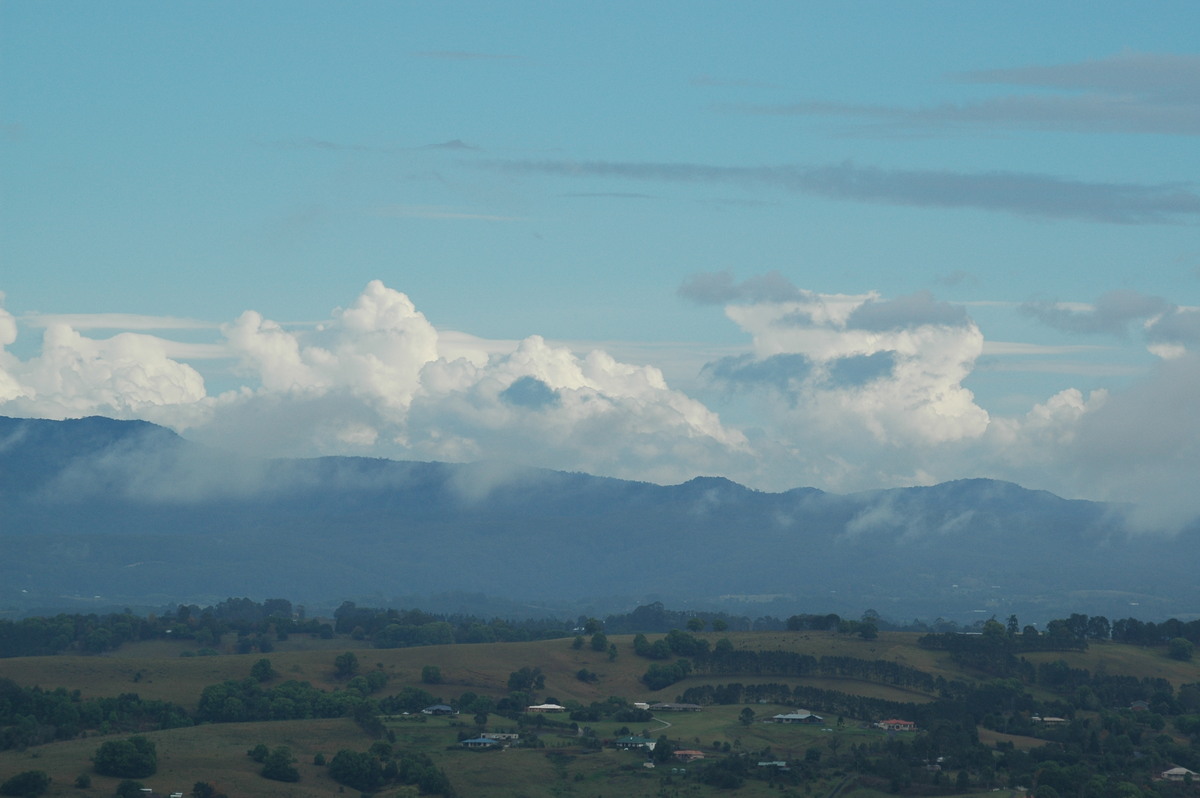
x: 378, y: 378
x: 839, y: 391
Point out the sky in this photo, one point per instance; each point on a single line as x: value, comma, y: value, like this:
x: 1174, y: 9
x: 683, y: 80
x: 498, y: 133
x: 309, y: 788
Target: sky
x: 841, y: 245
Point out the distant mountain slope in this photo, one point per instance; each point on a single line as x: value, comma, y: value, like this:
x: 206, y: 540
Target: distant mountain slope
x: 132, y: 512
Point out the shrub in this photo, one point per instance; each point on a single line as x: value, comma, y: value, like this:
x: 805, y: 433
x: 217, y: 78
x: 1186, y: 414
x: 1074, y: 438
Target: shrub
x: 134, y: 758
x: 29, y: 784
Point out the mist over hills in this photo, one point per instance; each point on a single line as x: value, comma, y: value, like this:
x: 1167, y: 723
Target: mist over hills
x: 97, y: 511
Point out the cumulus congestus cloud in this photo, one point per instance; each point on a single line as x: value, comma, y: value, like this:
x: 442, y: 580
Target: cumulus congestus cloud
x: 843, y: 392
x: 378, y: 378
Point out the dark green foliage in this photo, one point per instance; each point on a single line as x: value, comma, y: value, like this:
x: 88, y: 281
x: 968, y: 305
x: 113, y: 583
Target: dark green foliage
x: 366, y: 715
x: 526, y: 679
x: 40, y: 636
x: 676, y: 643
x: 246, y: 700
x: 1180, y: 649
x: 262, y: 671
x: 129, y: 789
x: 278, y: 765
x: 83, y: 781
x: 134, y: 758
x: 431, y: 674
x: 798, y: 623
x: 32, y: 716
x: 409, y: 699
x: 660, y: 676
x: 657, y: 618
x: 728, y: 773
x: 599, y: 642
x: 29, y: 784
x: 259, y: 753
x: 379, y: 768
x: 345, y: 665
x: 388, y: 628
x: 663, y: 750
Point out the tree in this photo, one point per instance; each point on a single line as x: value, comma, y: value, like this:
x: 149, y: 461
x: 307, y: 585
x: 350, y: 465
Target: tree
x: 599, y: 642
x: 345, y: 665
x: 278, y: 765
x: 695, y: 624
x: 262, y: 670
x: 134, y: 758
x: 129, y: 789
x: 431, y: 674
x: 719, y: 625
x: 746, y: 717
x: 29, y: 784
x: 1181, y: 649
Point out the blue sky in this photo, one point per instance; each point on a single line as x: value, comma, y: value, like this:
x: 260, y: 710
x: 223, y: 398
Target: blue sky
x: 848, y: 245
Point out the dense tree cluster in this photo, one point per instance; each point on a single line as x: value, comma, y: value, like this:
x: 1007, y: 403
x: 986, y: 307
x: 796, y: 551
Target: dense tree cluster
x: 381, y: 767
x: 29, y: 784
x: 278, y: 763
x: 254, y: 623
x: 654, y: 617
x: 246, y: 700
x: 389, y: 628
x: 32, y: 716
x: 134, y: 758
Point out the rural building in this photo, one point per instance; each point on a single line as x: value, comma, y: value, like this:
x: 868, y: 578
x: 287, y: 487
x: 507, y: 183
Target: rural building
x: 439, y: 709
x: 800, y: 716
x: 1049, y: 720
x: 479, y: 742
x: 545, y: 708
x: 674, y: 707
x: 897, y: 725
x: 503, y: 737
x: 1140, y: 706
x: 630, y: 743
x: 688, y: 755
x: 1178, y: 774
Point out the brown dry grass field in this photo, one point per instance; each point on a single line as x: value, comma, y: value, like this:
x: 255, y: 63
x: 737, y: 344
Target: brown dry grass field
x: 217, y: 752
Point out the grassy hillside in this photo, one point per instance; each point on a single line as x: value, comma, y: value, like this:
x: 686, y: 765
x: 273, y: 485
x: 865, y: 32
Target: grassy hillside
x: 217, y: 752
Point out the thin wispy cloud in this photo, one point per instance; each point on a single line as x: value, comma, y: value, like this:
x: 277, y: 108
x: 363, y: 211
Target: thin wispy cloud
x: 114, y: 321
x: 464, y: 55
x: 437, y: 212
x: 1112, y: 313
x: 1169, y: 75
x: 310, y: 143
x: 710, y: 81
x: 719, y: 288
x: 1144, y: 93
x: 453, y: 144
x: 608, y: 194
x: 1034, y: 195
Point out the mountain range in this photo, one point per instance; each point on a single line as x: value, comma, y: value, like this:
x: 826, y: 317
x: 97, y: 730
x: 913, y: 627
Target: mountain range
x: 99, y: 512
